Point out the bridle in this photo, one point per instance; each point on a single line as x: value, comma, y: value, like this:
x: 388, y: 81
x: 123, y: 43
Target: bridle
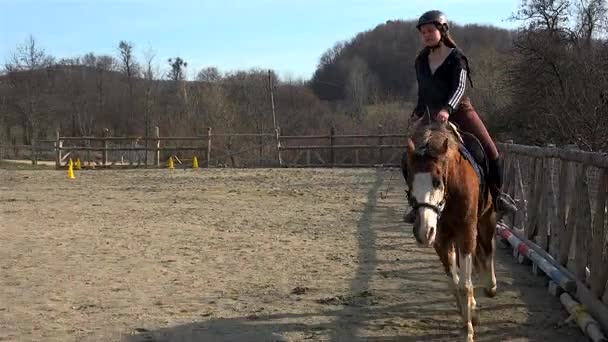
x: 437, y: 208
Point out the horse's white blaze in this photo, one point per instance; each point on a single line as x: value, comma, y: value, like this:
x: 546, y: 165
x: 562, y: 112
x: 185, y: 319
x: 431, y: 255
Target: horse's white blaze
x: 424, y: 192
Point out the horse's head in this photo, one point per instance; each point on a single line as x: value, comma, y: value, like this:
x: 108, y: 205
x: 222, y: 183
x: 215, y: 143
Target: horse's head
x: 428, y: 154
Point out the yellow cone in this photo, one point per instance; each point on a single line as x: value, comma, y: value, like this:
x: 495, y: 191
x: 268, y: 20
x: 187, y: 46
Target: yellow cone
x: 171, y: 166
x: 78, y: 165
x: 194, y: 163
x: 71, y: 170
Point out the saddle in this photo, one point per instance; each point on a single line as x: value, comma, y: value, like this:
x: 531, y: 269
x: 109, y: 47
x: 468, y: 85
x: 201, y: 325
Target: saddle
x: 472, y: 150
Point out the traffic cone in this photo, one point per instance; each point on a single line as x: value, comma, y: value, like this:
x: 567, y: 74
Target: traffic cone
x: 71, y: 170
x: 78, y: 165
x: 194, y: 163
x: 171, y: 166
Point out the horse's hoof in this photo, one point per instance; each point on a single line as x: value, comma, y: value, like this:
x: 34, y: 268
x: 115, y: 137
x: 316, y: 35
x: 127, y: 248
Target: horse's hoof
x: 490, y: 293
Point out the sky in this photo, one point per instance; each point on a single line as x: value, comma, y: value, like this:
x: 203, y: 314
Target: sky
x: 287, y: 36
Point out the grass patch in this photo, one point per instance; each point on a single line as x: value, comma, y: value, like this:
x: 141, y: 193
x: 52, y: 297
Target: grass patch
x: 23, y: 165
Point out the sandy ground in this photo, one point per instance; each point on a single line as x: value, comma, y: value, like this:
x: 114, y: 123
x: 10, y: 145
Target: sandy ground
x: 237, y: 255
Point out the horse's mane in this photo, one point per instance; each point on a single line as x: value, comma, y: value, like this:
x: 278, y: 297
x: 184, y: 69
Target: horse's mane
x: 433, y: 136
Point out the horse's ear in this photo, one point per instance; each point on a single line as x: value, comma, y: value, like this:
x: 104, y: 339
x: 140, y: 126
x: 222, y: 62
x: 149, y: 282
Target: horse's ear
x: 444, y: 146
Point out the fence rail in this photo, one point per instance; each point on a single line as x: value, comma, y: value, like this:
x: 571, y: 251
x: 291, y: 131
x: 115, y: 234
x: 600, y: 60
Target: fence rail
x: 268, y: 149
x: 562, y: 211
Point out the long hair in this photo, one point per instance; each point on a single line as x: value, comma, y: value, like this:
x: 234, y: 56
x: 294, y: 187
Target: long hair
x: 447, y: 39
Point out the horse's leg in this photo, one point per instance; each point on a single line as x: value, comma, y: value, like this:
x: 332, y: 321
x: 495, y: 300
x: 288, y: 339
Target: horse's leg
x: 468, y: 291
x: 488, y: 244
x: 447, y: 254
x: 455, y: 278
x: 489, y: 273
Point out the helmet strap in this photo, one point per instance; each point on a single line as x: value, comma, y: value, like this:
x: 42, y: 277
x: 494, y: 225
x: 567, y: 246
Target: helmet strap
x: 436, y: 46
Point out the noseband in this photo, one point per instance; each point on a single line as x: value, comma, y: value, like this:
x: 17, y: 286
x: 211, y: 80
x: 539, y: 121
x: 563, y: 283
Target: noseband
x: 438, y: 209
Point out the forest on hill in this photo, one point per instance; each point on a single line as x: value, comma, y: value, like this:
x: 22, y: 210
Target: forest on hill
x: 546, y: 82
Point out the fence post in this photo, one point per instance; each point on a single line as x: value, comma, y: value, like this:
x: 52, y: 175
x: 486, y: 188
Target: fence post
x: 380, y: 154
x: 58, y: 146
x: 34, y: 157
x: 208, y: 147
x: 147, y: 145
x: 106, y: 133
x: 332, y: 132
x: 157, y: 146
x: 277, y: 133
x: 552, y: 211
x: 599, y: 271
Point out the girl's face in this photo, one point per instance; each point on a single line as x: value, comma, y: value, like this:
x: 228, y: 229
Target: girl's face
x: 431, y: 36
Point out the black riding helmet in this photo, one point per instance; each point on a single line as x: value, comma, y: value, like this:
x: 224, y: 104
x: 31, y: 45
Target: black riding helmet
x: 441, y: 20
x: 436, y: 17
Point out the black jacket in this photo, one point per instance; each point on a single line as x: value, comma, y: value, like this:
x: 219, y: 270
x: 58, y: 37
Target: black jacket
x: 445, y: 88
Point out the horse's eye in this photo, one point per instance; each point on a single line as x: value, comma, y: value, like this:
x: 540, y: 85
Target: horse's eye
x: 436, y: 182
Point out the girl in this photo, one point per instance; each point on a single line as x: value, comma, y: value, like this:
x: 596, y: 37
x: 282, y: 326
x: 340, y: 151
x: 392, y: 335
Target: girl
x: 442, y: 71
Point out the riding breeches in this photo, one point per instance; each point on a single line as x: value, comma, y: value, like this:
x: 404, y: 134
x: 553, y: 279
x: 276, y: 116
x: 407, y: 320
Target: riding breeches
x: 467, y: 119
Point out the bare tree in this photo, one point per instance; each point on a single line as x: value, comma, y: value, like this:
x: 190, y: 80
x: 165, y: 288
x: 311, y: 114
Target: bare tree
x: 210, y: 74
x: 130, y: 69
x: 29, y: 83
x: 29, y: 56
x: 150, y: 75
x: 557, y: 82
x: 590, y: 14
x: 550, y: 15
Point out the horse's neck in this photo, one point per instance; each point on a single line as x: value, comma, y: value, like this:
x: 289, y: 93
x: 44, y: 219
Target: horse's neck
x: 457, y: 173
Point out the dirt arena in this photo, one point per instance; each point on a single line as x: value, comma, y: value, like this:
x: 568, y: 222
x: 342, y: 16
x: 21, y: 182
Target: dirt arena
x: 237, y: 255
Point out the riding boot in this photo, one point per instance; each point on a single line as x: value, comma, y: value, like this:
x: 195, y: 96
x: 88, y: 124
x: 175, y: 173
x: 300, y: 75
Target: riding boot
x: 503, y: 203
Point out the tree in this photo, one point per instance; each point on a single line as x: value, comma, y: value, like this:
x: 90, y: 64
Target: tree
x: 590, y: 14
x: 559, y: 75
x: 29, y: 85
x: 550, y: 15
x: 130, y: 69
x: 209, y: 74
x: 177, y: 71
x: 150, y: 75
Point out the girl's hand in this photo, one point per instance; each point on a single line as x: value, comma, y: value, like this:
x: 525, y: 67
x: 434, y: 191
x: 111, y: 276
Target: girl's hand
x: 442, y: 116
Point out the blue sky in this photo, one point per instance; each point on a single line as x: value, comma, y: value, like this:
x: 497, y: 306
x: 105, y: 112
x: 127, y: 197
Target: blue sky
x: 288, y: 36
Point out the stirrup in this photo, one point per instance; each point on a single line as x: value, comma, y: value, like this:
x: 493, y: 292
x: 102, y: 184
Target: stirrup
x: 504, y: 204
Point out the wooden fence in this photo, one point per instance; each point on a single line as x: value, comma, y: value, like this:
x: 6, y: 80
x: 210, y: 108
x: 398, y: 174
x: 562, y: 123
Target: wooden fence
x: 224, y: 149
x: 110, y: 151
x: 348, y: 150
x: 563, y: 212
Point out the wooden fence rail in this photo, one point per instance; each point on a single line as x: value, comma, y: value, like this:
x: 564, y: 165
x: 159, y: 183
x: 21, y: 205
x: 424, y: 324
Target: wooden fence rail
x: 562, y: 209
x: 271, y: 149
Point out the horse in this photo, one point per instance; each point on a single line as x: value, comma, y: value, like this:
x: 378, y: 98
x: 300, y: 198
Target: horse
x: 455, y: 215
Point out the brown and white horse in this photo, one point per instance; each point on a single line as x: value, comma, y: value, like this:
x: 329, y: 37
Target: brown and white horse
x: 450, y: 216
